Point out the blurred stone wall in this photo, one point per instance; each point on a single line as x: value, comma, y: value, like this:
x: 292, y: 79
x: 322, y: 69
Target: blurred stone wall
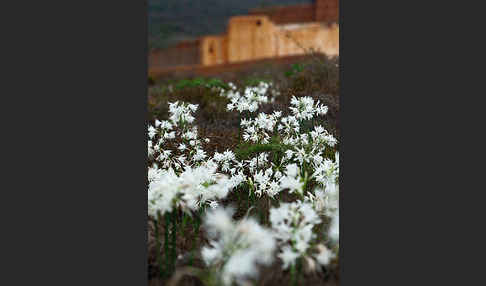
x: 184, y: 53
x: 288, y: 14
x: 312, y: 37
x: 250, y: 38
x: 214, y: 50
x: 327, y: 11
x: 265, y: 33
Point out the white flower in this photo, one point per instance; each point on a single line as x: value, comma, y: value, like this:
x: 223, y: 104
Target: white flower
x: 169, y: 135
x: 182, y: 147
x: 200, y: 155
x: 289, y: 153
x: 321, y: 136
x: 327, y: 173
x: 188, y: 191
x: 225, y: 159
x: 303, y: 108
x: 151, y: 131
x: 180, y: 113
x: 193, y: 107
x: 324, y: 256
x: 318, y: 200
x: 213, y: 204
x: 288, y: 256
x: 150, y: 150
x: 237, y: 179
x: 250, y: 99
x: 210, y: 254
x: 292, y: 180
x: 292, y: 170
x: 154, y: 174
x: 165, y: 125
x: 236, y: 247
x: 292, y: 224
x: 334, y: 228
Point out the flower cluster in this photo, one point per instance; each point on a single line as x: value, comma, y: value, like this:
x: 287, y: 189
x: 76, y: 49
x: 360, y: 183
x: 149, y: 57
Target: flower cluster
x: 263, y: 183
x: 236, y: 248
x: 188, y: 191
x: 321, y: 136
x: 181, y: 113
x: 251, y: 98
x: 257, y: 130
x: 162, y: 145
x: 327, y: 172
x: 293, y: 224
x: 292, y: 180
x: 185, y: 177
x: 304, y: 108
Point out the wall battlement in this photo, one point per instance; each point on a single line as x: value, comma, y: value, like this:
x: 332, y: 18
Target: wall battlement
x: 264, y: 33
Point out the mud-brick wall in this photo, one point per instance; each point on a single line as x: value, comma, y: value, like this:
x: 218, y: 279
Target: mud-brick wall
x: 213, y: 50
x: 250, y: 38
x: 329, y: 40
x: 288, y: 14
x: 327, y: 10
x: 313, y: 37
x: 297, y: 41
x: 184, y: 53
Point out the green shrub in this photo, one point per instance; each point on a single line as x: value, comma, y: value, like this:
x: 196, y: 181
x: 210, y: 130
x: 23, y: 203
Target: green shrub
x: 295, y: 69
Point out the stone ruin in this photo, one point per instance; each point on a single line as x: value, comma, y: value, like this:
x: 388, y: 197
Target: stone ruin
x: 264, y: 33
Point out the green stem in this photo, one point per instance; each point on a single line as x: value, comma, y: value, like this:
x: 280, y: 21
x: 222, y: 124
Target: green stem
x: 239, y: 127
x: 269, y: 202
x: 257, y: 166
x: 306, y: 179
x: 299, y: 269
x: 158, y: 245
x: 249, y: 195
x: 192, y: 252
x: 239, y: 197
x: 261, y: 210
x: 185, y: 217
x: 293, y: 276
x: 174, y: 232
x: 197, y: 223
x: 166, y: 244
